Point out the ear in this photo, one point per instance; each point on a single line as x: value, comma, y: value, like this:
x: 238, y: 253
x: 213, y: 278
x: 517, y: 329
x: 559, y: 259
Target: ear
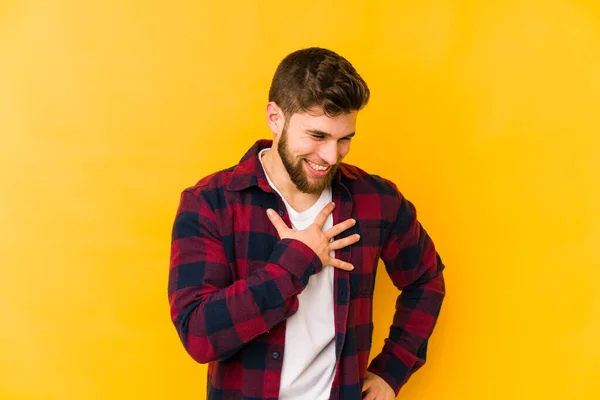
x: 275, y: 118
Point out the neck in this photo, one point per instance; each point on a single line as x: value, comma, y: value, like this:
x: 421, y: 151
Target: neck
x: 277, y: 173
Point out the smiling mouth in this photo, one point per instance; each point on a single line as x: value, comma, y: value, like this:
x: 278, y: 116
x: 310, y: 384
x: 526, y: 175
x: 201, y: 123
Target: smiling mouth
x: 317, y: 167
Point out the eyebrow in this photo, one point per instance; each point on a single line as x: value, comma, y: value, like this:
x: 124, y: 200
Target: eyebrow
x: 321, y: 133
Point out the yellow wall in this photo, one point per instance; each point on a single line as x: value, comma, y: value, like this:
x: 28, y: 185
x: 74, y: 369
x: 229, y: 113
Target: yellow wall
x: 485, y: 113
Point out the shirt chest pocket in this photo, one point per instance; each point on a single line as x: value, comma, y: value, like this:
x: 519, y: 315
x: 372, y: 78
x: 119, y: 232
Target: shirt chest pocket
x: 365, y: 257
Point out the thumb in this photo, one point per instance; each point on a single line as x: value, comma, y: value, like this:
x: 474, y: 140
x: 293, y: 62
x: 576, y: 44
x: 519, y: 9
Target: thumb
x: 367, y: 384
x: 277, y: 222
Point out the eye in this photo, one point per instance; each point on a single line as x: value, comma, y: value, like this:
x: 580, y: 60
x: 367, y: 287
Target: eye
x: 318, y: 137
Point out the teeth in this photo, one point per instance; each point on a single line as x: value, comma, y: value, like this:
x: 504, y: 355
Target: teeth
x: 316, y: 166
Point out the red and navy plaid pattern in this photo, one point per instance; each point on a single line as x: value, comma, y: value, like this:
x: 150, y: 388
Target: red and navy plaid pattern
x: 233, y: 283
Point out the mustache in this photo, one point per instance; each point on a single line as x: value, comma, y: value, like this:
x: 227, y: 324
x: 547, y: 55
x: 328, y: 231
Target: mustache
x: 322, y: 164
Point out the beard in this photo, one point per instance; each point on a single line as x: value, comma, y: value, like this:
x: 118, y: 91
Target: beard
x: 296, y: 170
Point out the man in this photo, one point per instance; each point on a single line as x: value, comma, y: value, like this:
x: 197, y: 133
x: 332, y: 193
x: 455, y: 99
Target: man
x: 273, y: 261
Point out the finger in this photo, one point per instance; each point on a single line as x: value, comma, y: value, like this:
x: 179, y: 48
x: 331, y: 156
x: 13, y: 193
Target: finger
x: 339, y: 228
x: 347, y: 241
x: 322, y: 216
x: 334, y: 262
x: 277, y: 222
x: 370, y: 396
x: 366, y: 385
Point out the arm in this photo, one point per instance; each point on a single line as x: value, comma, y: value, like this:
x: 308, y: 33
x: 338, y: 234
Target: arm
x: 415, y: 268
x: 215, y: 316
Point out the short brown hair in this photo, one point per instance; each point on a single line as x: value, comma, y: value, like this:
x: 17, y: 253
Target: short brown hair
x: 318, y: 77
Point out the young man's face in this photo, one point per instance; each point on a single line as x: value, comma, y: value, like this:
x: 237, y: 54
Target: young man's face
x: 312, y: 145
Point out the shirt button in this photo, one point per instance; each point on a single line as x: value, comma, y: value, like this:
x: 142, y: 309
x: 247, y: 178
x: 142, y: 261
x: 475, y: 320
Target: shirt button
x: 281, y: 213
x: 275, y: 355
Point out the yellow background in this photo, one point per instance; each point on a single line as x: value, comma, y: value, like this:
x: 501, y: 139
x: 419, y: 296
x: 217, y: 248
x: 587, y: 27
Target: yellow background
x: 485, y: 113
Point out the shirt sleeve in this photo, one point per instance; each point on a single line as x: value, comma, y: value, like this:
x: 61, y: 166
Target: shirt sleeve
x: 415, y: 268
x: 214, y: 315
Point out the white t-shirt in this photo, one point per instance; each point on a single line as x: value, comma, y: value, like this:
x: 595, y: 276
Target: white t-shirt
x: 309, y: 352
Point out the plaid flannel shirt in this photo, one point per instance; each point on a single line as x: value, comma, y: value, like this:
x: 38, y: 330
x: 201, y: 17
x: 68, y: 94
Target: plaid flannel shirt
x: 233, y: 283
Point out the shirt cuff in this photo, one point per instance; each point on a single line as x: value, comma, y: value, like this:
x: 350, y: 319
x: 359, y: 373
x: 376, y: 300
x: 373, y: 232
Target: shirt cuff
x: 395, y: 370
x: 297, y: 258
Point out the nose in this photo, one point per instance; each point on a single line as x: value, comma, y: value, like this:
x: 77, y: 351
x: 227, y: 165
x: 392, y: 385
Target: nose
x: 329, y: 152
